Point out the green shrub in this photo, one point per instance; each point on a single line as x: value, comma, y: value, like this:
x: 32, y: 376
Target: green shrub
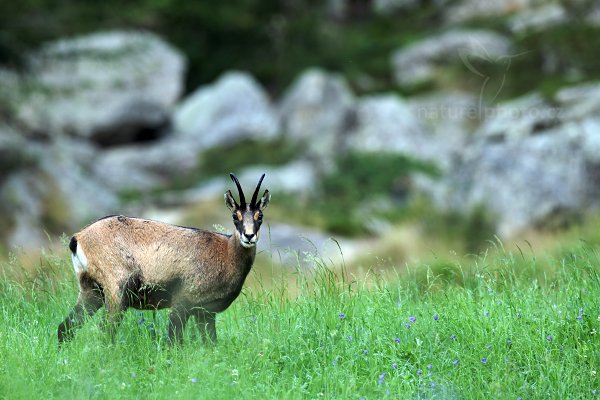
x: 243, y: 153
x: 470, y: 232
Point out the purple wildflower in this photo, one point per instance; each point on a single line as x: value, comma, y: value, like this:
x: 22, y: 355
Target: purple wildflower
x: 487, y: 313
x: 508, y: 342
x: 412, y: 319
x: 394, y: 365
x: 194, y: 380
x: 381, y: 376
x: 489, y: 346
x: 435, y: 317
x: 365, y: 351
x: 397, y: 340
x: 579, y: 317
x: 490, y: 290
x: 350, y: 337
x: 484, y: 360
x: 429, y: 366
x: 407, y: 325
x: 342, y: 316
x: 549, y: 338
x: 418, y: 372
x: 455, y: 362
x: 452, y: 337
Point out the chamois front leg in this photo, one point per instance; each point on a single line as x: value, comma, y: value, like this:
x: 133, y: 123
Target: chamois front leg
x: 88, y: 302
x: 206, y: 325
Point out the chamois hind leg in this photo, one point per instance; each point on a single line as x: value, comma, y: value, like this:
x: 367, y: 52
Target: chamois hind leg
x: 206, y: 325
x: 177, y: 320
x: 90, y: 299
x: 116, y: 304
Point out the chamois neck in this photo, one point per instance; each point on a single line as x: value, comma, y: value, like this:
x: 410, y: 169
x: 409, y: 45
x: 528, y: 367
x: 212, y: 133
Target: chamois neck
x: 244, y: 255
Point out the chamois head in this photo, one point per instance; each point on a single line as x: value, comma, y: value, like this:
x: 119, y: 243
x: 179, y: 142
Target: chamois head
x: 247, y: 217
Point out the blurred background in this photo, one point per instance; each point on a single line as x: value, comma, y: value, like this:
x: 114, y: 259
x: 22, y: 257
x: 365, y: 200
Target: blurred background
x: 402, y: 128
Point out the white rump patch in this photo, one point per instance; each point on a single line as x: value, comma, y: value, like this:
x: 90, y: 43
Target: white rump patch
x: 80, y: 262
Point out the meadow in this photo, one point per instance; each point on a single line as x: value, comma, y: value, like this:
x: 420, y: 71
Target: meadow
x: 502, y: 324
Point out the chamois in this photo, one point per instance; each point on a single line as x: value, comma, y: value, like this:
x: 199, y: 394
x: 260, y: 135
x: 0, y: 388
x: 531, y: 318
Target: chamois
x: 123, y: 262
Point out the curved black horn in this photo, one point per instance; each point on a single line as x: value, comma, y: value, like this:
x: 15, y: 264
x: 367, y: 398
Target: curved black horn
x: 255, y: 195
x: 240, y: 191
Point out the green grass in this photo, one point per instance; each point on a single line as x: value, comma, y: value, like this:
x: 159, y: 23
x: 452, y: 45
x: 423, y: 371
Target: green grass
x: 327, y: 335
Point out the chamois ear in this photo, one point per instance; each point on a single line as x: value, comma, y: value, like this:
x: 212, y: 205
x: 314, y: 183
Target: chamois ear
x: 230, y: 201
x: 264, y: 200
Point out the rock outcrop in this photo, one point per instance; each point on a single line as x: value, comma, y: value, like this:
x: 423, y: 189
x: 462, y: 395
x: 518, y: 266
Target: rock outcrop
x: 108, y: 87
x: 315, y: 112
x: 417, y: 63
x: 96, y: 124
x: 533, y: 164
x: 234, y: 108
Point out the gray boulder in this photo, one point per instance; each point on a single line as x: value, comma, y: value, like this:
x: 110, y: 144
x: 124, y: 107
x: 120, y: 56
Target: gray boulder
x: 145, y: 167
x: 68, y: 166
x: 390, y: 6
x: 525, y: 177
x: 418, y: 62
x: 110, y: 87
x: 387, y: 123
x: 467, y: 10
x: 519, y: 118
x: 55, y: 193
x: 532, y: 162
x: 577, y: 102
x: 315, y: 112
x: 538, y: 19
x: 233, y: 108
x: 532, y: 114
x: 450, y: 115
